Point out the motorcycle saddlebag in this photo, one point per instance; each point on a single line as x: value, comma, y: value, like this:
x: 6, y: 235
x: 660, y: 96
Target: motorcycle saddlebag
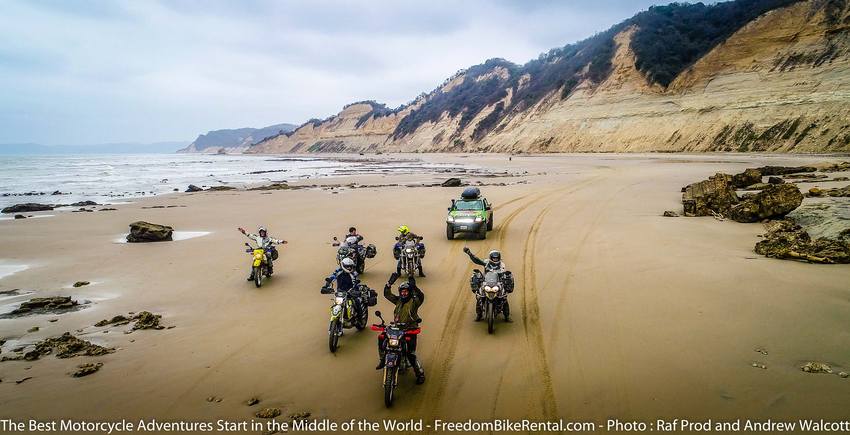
x: 274, y: 254
x: 476, y: 280
x: 421, y: 248
x: 373, y: 298
x: 371, y: 251
x: 508, y: 278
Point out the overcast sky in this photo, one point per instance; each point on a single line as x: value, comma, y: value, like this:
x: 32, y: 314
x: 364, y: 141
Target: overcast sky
x: 81, y: 72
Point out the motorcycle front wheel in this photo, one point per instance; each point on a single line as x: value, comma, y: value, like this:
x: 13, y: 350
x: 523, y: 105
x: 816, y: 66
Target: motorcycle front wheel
x: 363, y: 320
x: 258, y: 276
x: 491, y: 317
x: 333, y: 336
x: 390, y: 375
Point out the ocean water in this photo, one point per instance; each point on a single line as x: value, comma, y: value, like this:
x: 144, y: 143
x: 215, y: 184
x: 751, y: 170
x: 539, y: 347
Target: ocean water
x: 120, y: 177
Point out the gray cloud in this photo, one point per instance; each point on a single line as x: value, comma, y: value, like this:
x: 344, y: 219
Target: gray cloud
x: 106, y: 71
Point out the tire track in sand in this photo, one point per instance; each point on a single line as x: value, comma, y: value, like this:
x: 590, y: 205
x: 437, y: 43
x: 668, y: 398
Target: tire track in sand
x: 531, y: 321
x: 447, y: 344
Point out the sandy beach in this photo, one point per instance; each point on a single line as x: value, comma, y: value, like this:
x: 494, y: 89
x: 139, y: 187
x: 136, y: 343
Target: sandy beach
x: 619, y: 312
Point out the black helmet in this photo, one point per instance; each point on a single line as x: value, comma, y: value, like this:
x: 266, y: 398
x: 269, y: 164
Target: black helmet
x: 404, y: 287
x: 495, y: 256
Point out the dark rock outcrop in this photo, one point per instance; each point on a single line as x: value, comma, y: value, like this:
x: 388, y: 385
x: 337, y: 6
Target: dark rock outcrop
x: 749, y: 177
x: 787, y: 240
x: 147, y: 232
x: 27, y: 207
x: 785, y: 170
x: 776, y: 200
x: 55, y: 304
x: 68, y: 346
x: 147, y: 320
x: 452, y: 182
x: 86, y: 369
x: 775, y: 180
x: 193, y: 188
x: 707, y: 197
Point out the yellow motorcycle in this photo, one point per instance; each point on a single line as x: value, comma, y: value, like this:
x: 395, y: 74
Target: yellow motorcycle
x: 260, y: 264
x: 344, y: 313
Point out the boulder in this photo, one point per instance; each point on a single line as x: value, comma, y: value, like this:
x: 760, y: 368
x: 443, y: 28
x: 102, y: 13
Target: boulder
x: 193, y: 188
x: 267, y: 413
x: 452, y: 182
x: 27, y: 207
x: 815, y: 192
x: 715, y: 195
x: 776, y: 200
x: 20, y: 216
x: 49, y: 304
x: 147, y: 320
x: 843, y: 192
x: 81, y: 283
x: 83, y: 204
x: 775, y: 180
x: 670, y: 213
x: 141, y: 232
x: 749, y: 177
x: 68, y: 346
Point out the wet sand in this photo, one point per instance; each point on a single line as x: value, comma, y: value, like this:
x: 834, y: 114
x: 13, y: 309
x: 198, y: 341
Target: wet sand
x: 619, y: 312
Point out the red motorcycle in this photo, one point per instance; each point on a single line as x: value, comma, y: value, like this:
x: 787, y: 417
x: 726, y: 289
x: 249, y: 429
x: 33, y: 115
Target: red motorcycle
x: 397, y: 337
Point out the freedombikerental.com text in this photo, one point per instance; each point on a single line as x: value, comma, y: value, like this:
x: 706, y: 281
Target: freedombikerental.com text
x: 419, y: 425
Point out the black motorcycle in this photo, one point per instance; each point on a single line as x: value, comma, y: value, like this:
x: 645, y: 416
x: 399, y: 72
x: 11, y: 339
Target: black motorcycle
x: 397, y: 337
x: 491, y: 292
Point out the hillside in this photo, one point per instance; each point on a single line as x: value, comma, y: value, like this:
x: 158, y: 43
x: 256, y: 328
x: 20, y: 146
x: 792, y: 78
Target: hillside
x: 233, y: 140
x: 747, y: 75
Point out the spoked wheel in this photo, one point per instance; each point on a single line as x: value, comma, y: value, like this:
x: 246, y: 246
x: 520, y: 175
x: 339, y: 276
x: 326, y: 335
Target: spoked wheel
x: 258, y: 276
x: 491, y: 317
x: 390, y: 377
x: 333, y: 336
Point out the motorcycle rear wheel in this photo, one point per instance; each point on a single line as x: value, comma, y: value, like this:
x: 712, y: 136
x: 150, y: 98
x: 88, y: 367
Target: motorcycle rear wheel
x: 258, y: 276
x: 390, y: 377
x: 333, y: 336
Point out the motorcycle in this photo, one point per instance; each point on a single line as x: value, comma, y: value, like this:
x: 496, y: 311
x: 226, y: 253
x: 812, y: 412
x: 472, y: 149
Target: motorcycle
x: 491, y: 291
x: 396, y: 360
x: 351, y: 248
x: 410, y: 258
x: 260, y: 264
x: 344, y: 312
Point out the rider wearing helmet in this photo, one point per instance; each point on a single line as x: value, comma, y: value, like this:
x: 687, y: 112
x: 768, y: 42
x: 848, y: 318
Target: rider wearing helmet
x: 404, y: 235
x: 493, y: 264
x: 407, y: 303
x: 346, y: 281
x: 266, y: 243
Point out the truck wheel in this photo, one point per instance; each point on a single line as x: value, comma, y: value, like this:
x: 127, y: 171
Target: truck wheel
x: 482, y: 233
x: 450, y: 232
x: 490, y: 223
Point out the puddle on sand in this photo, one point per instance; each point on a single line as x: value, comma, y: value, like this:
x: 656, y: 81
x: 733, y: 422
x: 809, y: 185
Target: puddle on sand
x: 9, y: 269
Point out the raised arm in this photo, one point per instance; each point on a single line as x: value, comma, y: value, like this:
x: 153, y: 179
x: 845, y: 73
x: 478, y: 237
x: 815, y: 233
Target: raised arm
x: 474, y: 259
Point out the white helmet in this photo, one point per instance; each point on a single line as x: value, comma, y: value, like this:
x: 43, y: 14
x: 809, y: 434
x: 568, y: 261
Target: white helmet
x: 351, y: 240
x: 347, y: 264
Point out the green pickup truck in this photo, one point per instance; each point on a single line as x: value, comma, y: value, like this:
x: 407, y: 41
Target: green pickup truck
x: 469, y: 214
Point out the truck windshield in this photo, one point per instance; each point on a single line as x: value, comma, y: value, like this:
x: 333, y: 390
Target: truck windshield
x: 469, y: 205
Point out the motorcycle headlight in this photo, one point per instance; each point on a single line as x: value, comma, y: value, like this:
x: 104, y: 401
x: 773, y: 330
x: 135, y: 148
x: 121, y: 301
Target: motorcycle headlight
x: 393, y: 342
x: 336, y: 310
x: 487, y: 288
x: 258, y: 255
x: 408, y: 250
x: 338, y: 300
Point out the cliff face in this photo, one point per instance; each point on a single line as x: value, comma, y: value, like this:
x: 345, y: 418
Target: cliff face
x: 779, y: 82
x: 233, y: 140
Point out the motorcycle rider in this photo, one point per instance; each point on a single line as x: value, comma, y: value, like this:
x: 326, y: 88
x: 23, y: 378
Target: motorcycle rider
x: 494, y: 264
x: 406, y: 235
x: 346, y: 281
x: 407, y: 303
x: 265, y: 243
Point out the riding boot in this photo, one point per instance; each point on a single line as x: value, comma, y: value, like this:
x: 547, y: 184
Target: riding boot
x: 506, y: 309
x: 479, y: 310
x: 381, y: 355
x: 251, y: 277
x: 421, y: 271
x: 418, y: 370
